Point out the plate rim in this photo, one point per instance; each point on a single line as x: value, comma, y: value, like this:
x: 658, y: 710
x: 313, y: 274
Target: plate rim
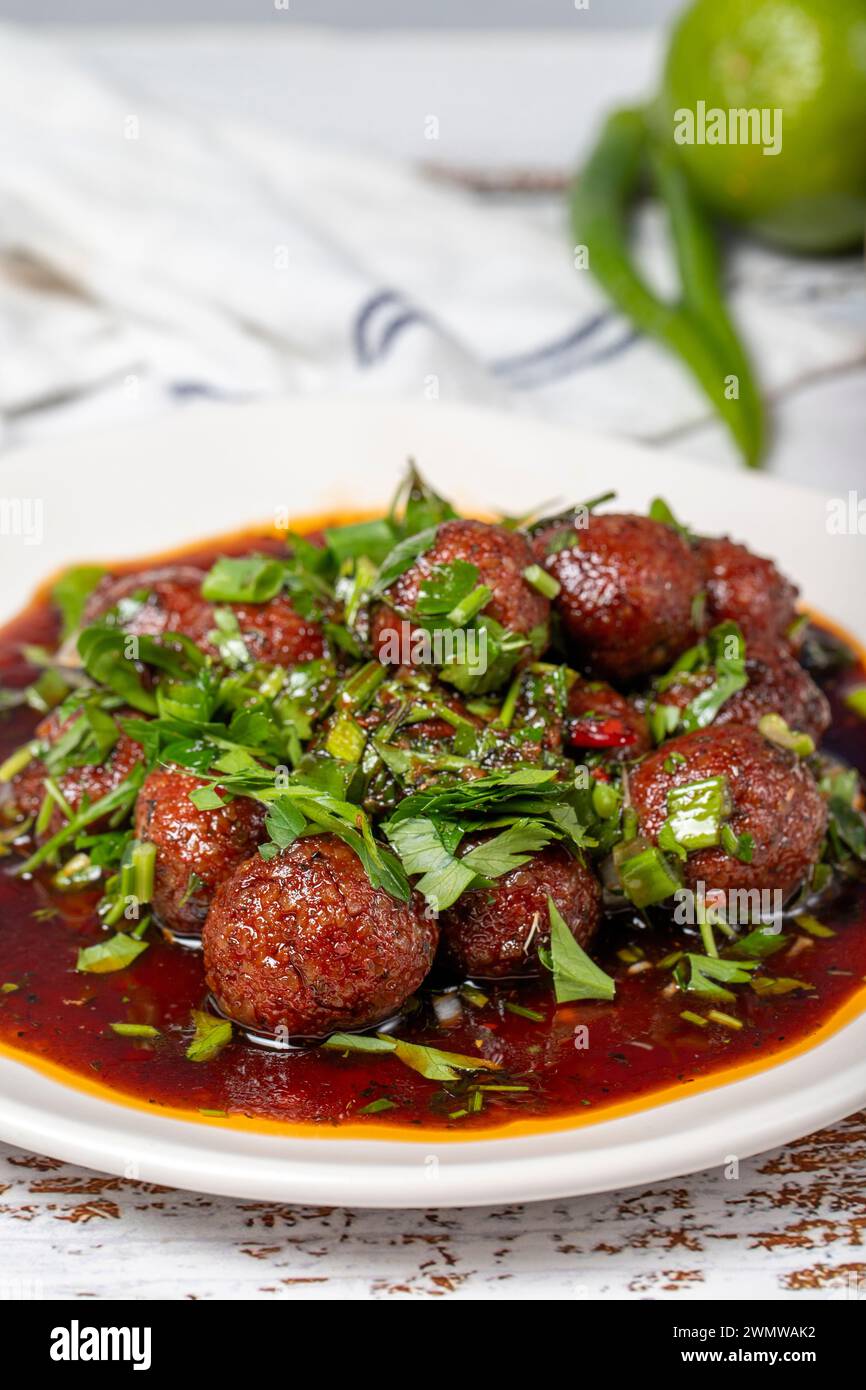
x: 519, y: 1176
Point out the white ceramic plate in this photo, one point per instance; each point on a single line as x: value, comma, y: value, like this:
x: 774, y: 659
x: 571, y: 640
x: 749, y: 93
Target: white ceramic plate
x: 213, y: 469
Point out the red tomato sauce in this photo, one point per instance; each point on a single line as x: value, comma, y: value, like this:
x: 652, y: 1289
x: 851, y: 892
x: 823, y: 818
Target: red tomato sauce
x: 567, y: 1064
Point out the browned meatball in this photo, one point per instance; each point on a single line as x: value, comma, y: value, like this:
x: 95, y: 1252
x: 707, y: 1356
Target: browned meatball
x: 601, y: 720
x: 155, y: 601
x: 304, y: 942
x: 494, y: 932
x: 90, y: 780
x: 628, y: 591
x: 275, y: 633
x: 774, y: 798
x: 746, y: 588
x: 777, y: 684
x: 172, y: 602
x: 209, y: 844
x: 500, y: 557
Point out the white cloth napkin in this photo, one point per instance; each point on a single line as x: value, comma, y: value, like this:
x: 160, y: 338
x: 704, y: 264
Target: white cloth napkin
x: 237, y: 261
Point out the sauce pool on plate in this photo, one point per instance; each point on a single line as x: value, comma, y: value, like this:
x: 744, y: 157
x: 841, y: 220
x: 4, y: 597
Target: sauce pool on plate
x: 554, y: 1066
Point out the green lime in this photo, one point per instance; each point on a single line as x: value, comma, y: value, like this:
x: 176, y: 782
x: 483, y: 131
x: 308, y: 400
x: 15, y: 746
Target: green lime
x: 765, y: 101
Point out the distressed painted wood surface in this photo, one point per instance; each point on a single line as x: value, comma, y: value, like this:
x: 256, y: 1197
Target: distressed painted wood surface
x: 791, y: 1225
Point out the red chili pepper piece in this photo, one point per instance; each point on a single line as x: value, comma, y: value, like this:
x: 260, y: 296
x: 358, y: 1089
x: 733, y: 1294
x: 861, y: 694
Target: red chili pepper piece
x: 600, y: 733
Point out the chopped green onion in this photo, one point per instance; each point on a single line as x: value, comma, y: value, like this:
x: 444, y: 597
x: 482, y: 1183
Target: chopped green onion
x: 775, y: 729
x: 521, y: 1011
x: 134, y: 1030
x: 77, y: 872
x: 605, y: 800
x: 810, y: 924
x: 358, y: 1042
x: 211, y: 1036
x: 765, y: 985
x: 464, y: 611
x: 541, y: 581
x: 726, y: 1020
x: 474, y: 996
x: 696, y: 811
x: 645, y: 876
x: 361, y: 686
x: 663, y: 720
x: 698, y: 1020
x: 17, y: 761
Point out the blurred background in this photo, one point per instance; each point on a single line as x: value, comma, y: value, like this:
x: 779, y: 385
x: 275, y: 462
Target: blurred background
x: 236, y: 199
x: 361, y: 14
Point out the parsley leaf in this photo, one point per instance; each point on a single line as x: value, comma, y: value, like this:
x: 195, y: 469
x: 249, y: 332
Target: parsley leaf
x: 575, y: 976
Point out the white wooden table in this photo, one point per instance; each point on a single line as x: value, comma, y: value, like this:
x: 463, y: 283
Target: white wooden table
x: 790, y: 1227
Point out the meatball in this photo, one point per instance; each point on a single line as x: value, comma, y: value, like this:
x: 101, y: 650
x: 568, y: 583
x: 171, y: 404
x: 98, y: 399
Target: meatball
x: 500, y: 557
x: 304, y: 942
x: 601, y: 720
x: 628, y: 591
x: 209, y: 844
x: 90, y: 780
x: 496, y: 931
x: 155, y: 601
x: 171, y: 601
x: 777, y: 684
x: 746, y: 588
x: 276, y: 634
x: 774, y: 799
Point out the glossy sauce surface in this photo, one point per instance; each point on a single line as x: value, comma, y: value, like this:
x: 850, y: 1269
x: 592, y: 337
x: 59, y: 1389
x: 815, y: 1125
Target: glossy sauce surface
x: 571, y: 1062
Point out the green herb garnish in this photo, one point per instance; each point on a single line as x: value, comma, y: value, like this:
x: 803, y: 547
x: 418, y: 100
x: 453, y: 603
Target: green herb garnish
x: 211, y: 1036
x: 575, y: 975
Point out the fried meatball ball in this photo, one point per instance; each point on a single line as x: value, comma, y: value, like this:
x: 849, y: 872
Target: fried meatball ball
x: 628, y: 591
x: 91, y: 780
x: 304, y: 942
x: 494, y: 932
x: 276, y: 634
x: 500, y: 557
x: 601, y: 720
x: 155, y: 601
x: 746, y: 589
x: 777, y: 684
x: 273, y: 632
x: 209, y: 844
x: 774, y: 798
